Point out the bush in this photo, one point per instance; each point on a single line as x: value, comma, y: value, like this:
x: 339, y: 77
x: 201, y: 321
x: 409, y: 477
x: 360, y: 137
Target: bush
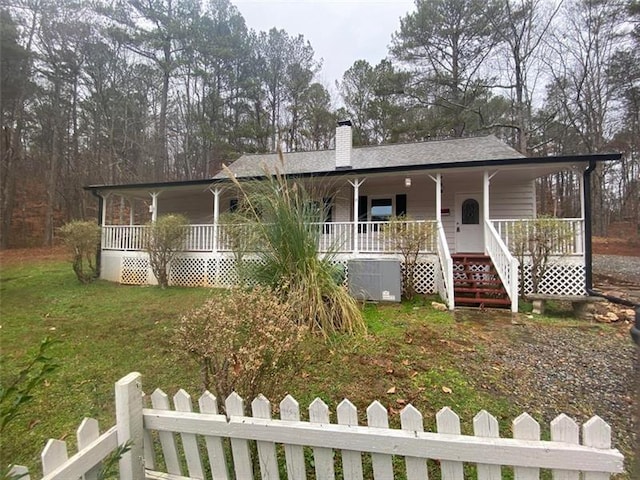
x: 244, y: 341
x: 82, y: 239
x: 163, y: 240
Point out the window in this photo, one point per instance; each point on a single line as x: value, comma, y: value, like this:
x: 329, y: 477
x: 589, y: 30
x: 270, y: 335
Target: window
x: 470, y: 212
x: 381, y: 209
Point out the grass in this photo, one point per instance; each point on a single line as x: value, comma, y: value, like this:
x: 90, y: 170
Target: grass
x: 411, y: 353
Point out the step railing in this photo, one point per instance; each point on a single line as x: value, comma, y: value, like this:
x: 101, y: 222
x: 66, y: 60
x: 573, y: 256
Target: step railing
x: 444, y: 284
x: 505, y: 264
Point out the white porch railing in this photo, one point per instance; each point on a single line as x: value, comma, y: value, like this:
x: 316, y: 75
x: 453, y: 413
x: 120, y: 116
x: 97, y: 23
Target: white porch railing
x: 567, y: 238
x: 505, y: 263
x: 376, y: 237
x: 123, y: 237
x: 373, y: 237
x: 444, y: 284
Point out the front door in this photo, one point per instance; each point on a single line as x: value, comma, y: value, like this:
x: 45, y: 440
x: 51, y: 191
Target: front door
x: 469, y: 225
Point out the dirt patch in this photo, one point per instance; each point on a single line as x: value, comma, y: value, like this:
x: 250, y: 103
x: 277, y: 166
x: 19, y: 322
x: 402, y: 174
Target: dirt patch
x: 21, y: 256
x: 616, y: 246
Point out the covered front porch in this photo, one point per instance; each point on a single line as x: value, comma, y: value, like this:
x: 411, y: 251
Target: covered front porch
x: 468, y: 210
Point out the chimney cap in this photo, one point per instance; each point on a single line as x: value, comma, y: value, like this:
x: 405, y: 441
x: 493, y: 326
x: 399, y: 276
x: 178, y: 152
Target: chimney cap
x: 344, y: 123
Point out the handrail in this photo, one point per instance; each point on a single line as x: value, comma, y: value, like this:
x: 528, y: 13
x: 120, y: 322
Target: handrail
x: 505, y: 263
x: 446, y: 265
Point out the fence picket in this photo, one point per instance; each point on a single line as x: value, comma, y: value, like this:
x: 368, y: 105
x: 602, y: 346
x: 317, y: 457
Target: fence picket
x: 564, y: 429
x: 597, y: 434
x: 323, y: 457
x: 411, y: 419
x: 294, y: 454
x: 486, y: 425
x: 526, y: 428
x: 87, y: 432
x: 239, y: 448
x: 261, y: 408
x: 19, y: 471
x: 217, y: 460
x: 382, y: 464
x: 351, y: 460
x: 53, y: 455
x: 160, y: 401
x: 149, y: 451
x: 448, y: 422
x: 182, y: 402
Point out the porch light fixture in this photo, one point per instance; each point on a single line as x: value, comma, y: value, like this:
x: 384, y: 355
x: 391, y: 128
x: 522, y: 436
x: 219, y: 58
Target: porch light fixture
x: 407, y: 182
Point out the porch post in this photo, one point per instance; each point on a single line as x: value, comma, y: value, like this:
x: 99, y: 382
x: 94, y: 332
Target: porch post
x: 579, y: 241
x: 356, y: 192
x: 216, y: 217
x: 485, y: 206
x: 131, y: 213
x: 154, y: 206
x: 438, y: 197
x: 105, y: 198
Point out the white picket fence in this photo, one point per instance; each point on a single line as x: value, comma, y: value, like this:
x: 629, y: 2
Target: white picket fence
x: 183, y: 436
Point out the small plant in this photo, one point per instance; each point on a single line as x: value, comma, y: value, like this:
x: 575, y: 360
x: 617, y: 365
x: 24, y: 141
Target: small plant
x: 15, y: 394
x: 82, y: 239
x: 534, y: 242
x: 244, y: 341
x: 409, y: 238
x: 164, y: 238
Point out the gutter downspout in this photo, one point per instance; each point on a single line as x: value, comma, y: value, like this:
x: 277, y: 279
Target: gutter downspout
x: 99, y: 249
x: 588, y: 254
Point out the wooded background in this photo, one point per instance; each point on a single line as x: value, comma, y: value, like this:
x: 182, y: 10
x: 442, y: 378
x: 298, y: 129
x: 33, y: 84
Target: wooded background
x: 153, y: 90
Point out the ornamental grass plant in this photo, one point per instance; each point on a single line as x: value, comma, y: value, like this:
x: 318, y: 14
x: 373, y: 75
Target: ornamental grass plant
x: 288, y: 220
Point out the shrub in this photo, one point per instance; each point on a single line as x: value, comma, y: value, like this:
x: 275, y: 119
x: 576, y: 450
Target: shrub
x: 536, y: 241
x: 244, y: 341
x: 82, y: 239
x: 163, y: 240
x: 285, y: 217
x: 409, y: 237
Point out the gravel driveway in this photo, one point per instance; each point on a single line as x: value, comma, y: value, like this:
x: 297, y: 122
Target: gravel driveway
x: 577, y: 370
x: 581, y: 369
x: 626, y: 269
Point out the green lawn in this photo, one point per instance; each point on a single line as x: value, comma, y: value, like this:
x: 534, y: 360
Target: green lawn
x: 104, y: 330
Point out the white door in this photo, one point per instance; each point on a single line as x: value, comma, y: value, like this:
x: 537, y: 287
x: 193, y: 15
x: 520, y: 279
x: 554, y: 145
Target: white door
x: 469, y: 225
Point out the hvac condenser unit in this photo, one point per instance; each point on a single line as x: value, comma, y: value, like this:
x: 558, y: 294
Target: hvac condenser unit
x: 375, y: 279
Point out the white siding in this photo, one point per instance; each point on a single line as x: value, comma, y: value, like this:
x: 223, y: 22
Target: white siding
x: 512, y: 201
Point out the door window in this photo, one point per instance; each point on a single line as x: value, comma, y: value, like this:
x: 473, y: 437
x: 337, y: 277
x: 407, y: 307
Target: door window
x: 470, y: 212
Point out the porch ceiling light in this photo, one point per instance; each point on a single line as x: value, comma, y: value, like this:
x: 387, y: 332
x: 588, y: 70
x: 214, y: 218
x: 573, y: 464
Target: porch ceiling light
x: 407, y: 182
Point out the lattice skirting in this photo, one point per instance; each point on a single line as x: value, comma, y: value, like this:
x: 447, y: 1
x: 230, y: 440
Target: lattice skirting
x: 566, y: 278
x: 559, y: 279
x: 203, y: 271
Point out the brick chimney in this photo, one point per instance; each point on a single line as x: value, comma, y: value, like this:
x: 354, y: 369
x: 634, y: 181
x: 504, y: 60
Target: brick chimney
x: 343, y: 145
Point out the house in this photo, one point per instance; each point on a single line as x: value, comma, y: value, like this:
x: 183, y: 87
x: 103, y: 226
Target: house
x: 474, y: 192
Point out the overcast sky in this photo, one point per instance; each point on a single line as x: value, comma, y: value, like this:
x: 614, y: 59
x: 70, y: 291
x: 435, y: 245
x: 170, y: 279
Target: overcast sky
x: 340, y: 31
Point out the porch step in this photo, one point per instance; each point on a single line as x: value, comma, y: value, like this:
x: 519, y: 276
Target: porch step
x: 476, y: 282
x: 479, y: 302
